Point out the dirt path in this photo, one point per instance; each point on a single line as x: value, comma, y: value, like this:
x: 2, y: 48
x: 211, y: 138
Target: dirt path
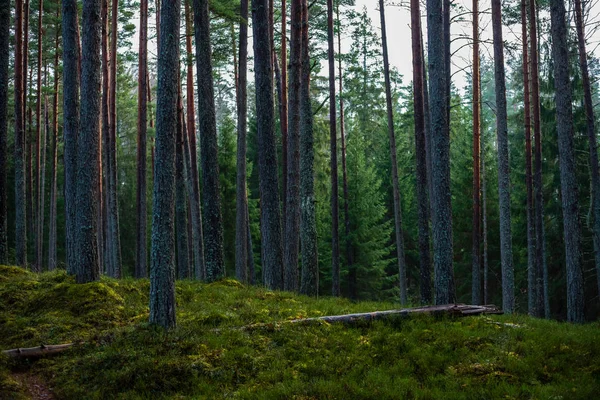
x: 33, y: 386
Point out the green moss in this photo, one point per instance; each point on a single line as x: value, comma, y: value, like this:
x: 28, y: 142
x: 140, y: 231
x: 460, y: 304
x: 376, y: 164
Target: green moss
x: 123, y: 357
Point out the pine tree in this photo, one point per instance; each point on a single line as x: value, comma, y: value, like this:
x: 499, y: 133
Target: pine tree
x: 476, y: 257
x: 4, y: 52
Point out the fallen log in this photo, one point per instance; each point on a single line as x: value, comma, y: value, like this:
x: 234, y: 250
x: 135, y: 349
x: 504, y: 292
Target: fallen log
x: 450, y: 309
x: 39, y: 351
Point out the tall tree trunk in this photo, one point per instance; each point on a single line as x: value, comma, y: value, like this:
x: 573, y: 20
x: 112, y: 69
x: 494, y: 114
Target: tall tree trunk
x: 272, y: 249
x: 52, y: 238
x: 39, y: 212
x: 87, y: 266
x: 27, y: 126
x: 348, y: 244
x: 440, y: 156
x: 71, y: 73
x: 538, y: 309
x: 113, y: 208
x: 292, y: 198
x: 420, y: 153
x: 242, y: 252
x: 428, y: 149
x: 335, y: 245
x: 141, y: 263
x: 486, y: 294
x: 197, y: 237
x: 4, y: 56
x: 213, y: 221
x: 162, y: 269
x: 508, y: 295
x: 181, y: 232
x: 447, y: 61
x: 528, y: 172
x: 393, y: 157
x: 476, y: 255
x: 283, y: 116
x: 568, y: 180
x: 308, y: 221
x: 106, y: 226
x: 42, y: 167
x: 591, y: 132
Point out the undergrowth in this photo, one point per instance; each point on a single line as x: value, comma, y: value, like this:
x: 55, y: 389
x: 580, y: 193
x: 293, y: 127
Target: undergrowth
x: 120, y: 356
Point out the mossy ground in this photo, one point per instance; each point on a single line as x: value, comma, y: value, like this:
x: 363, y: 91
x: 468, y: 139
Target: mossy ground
x: 122, y: 357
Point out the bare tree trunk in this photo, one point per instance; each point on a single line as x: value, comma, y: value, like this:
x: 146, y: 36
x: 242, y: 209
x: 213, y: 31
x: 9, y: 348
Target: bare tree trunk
x: 528, y: 172
x: 272, y: 248
x: 308, y: 220
x: 52, y: 238
x: 181, y: 232
x: 243, y: 252
x: 283, y: 116
x: 420, y: 153
x: 486, y: 294
x: 88, y: 268
x: 213, y: 221
x: 538, y: 309
x: 71, y: 73
x: 27, y: 126
x: 591, y: 132
x: 393, y: 157
x: 476, y: 255
x: 508, y: 295
x: 105, y: 200
x: 4, y: 56
x: 141, y: 259
x: 568, y: 180
x: 440, y: 156
x: 39, y: 235
x: 162, y: 271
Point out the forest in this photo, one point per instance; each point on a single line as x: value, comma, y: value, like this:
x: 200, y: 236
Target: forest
x: 167, y: 164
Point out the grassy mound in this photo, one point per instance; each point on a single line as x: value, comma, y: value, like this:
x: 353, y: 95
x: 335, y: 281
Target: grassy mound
x: 122, y: 357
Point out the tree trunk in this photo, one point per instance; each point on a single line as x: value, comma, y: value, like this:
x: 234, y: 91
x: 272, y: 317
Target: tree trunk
x: 538, y: 309
x: 52, y: 238
x: 486, y: 294
x: 141, y: 259
x: 591, y: 132
x: 566, y: 150
x: 71, y: 73
x: 283, y: 116
x: 420, y: 153
x: 242, y: 252
x: 393, y: 157
x: 335, y: 245
x: 105, y: 200
x: 272, y: 248
x: 39, y: 212
x: 308, y: 221
x: 162, y: 271
x: 4, y: 56
x: 476, y: 255
x: 181, y: 232
x: 27, y: 126
x: 528, y: 172
x: 508, y: 286
x: 440, y: 156
x: 87, y: 266
x: 213, y: 221
x: 292, y: 198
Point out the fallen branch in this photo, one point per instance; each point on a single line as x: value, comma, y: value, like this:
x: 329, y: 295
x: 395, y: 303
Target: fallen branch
x: 40, y: 351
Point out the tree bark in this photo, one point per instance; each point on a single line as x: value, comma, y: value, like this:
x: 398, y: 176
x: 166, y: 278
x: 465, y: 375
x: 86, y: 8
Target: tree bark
x: 292, y: 198
x: 308, y: 221
x: 272, y: 248
x: 105, y: 157
x: 420, y: 153
x: 212, y: 219
x: 4, y: 56
x: 52, y: 237
x: 283, y: 116
x: 393, y: 156
x: 508, y: 295
x: 242, y: 252
x: 141, y: 259
x: 39, y: 212
x: 162, y: 271
x: 485, y: 238
x: 335, y: 245
x: 591, y: 132
x: 87, y: 266
x: 181, y: 232
x: 440, y: 156
x: 566, y: 150
x: 538, y: 309
x: 528, y: 171
x: 71, y: 73
x: 476, y: 254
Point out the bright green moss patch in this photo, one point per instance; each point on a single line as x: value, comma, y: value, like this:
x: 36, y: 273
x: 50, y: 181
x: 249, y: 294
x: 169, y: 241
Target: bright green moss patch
x: 122, y: 357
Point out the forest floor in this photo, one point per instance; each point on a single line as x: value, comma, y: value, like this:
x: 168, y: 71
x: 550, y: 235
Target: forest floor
x: 121, y: 356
